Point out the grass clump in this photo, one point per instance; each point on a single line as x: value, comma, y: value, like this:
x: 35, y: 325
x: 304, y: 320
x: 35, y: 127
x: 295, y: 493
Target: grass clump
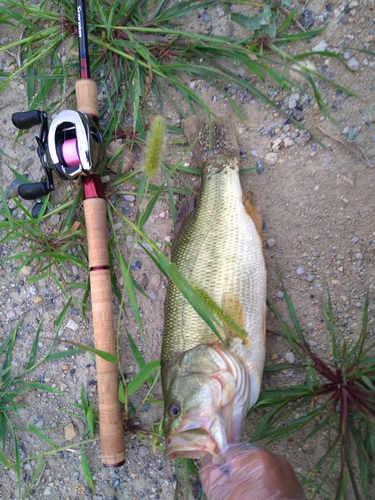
x: 338, y: 397
x: 139, y: 47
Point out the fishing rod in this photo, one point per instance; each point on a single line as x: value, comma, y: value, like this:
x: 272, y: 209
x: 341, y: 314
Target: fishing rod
x: 73, y: 148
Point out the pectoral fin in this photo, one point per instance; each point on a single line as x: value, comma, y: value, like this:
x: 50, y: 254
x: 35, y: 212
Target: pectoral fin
x: 233, y: 309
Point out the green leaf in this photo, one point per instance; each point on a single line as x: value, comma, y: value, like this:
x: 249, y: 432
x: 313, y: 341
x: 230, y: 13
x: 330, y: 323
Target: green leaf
x: 34, y: 347
x: 5, y: 461
x: 112, y: 358
x: 142, y: 376
x: 90, y: 419
x: 41, y: 387
x: 121, y: 393
x: 84, y: 400
x: 64, y: 354
x: 251, y: 23
x: 40, y: 434
x: 368, y: 382
x: 87, y: 472
x: 136, y: 353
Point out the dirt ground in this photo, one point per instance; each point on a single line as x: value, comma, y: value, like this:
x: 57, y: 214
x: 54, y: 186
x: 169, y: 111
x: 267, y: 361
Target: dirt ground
x: 317, y: 201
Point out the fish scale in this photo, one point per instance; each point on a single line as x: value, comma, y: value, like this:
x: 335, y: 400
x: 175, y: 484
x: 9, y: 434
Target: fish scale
x: 220, y: 252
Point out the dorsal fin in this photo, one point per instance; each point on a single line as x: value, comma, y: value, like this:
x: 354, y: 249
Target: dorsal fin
x: 185, y: 214
x: 251, y: 208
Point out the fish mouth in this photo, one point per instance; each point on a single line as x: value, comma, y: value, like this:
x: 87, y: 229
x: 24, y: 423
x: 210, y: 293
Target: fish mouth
x: 196, y: 437
x: 191, y: 444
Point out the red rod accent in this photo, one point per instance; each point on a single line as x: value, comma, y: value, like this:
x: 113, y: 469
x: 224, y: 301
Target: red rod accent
x: 92, y: 186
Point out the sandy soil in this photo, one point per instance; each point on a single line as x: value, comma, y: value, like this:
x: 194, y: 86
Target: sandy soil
x: 317, y: 202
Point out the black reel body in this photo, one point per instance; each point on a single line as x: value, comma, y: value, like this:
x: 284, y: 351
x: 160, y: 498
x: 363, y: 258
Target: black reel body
x: 72, y: 146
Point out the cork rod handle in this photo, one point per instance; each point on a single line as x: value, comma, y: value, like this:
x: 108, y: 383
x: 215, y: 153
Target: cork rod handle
x: 111, y: 430
x: 112, y: 443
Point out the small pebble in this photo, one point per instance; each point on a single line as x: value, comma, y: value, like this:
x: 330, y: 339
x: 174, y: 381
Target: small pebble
x: 152, y: 295
x: 359, y: 256
x: 129, y: 197
x: 271, y: 158
x: 72, y: 325
x: 290, y: 357
x: 271, y: 242
x: 353, y: 64
x: 66, y: 368
x: 259, y: 167
x: 355, y: 239
x: 143, y: 451
x: 39, y: 424
x: 116, y: 483
x: 274, y: 357
x: 307, y: 18
x: 279, y: 294
x: 310, y: 277
x: 136, y: 265
x: 288, y: 142
x: 292, y: 103
x: 13, y: 189
x: 206, y: 18
x: 321, y: 47
x: 70, y: 432
x: 276, y: 145
x: 300, y: 271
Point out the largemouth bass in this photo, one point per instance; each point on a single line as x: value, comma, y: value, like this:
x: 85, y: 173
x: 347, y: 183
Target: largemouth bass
x: 209, y: 387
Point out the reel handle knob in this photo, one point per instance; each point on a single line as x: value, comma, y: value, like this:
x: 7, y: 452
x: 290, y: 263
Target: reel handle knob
x: 27, y: 119
x: 33, y: 191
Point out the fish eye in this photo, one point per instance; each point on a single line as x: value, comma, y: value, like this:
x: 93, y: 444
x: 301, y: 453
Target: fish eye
x: 174, y: 410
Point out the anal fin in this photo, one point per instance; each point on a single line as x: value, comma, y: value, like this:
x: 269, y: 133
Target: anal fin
x: 233, y: 309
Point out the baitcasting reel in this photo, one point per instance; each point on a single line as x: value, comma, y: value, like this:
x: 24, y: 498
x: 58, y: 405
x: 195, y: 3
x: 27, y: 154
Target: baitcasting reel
x: 73, y: 146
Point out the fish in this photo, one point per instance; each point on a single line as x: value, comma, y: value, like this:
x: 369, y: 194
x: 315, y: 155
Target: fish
x: 209, y: 385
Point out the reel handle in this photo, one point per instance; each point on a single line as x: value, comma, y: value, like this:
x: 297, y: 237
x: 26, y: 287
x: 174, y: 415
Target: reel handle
x: 26, y: 119
x: 33, y: 191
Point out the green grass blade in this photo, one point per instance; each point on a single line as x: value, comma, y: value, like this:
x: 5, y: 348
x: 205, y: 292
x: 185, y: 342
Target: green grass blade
x: 63, y: 354
x: 40, y: 434
x: 136, y: 353
x: 34, y: 347
x: 142, y: 376
x: 112, y: 358
x: 86, y: 471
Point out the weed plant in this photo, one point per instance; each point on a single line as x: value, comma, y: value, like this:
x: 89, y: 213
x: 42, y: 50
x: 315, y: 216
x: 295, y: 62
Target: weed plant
x: 139, y: 47
x: 337, y: 398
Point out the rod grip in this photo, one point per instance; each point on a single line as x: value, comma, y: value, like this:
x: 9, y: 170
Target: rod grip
x: 112, y: 442
x: 87, y: 97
